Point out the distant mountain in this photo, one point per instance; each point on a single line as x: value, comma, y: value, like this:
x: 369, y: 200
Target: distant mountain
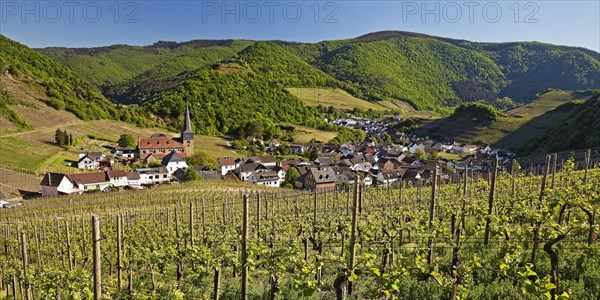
x: 430, y: 73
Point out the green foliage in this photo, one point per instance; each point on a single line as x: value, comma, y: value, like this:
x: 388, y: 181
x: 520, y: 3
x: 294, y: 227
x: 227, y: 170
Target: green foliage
x: 347, y: 134
x: 127, y: 140
x: 581, y: 130
x: 191, y: 175
x: 200, y: 158
x: 478, y: 112
x: 291, y: 175
x: 9, y: 114
x: 154, y: 164
x: 63, y: 138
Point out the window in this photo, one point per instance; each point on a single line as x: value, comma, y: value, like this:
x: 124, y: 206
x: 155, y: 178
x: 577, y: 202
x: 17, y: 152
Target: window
x: 165, y: 176
x: 97, y: 186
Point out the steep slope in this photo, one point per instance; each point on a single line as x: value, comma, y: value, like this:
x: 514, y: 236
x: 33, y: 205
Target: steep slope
x: 64, y: 89
x: 116, y: 64
x: 516, y: 126
x: 580, y: 130
x: 424, y: 72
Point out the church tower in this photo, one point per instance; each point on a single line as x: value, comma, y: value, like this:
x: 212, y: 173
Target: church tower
x: 187, y: 134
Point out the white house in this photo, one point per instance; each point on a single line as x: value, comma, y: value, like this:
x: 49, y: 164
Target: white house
x: 54, y: 184
x: 125, y: 153
x: 389, y: 177
x: 173, y: 161
x: 266, y: 177
x: 91, y: 181
x: 118, y: 178
x: 150, y: 176
x: 413, y: 147
x: 274, y: 144
x: 225, y: 164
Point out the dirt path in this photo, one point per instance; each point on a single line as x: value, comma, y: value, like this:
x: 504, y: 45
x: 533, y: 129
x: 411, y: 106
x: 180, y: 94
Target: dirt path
x: 52, y: 128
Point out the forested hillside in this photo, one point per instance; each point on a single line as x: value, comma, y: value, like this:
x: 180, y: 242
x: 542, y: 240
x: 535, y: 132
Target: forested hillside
x: 65, y: 89
x: 581, y: 130
x: 428, y: 72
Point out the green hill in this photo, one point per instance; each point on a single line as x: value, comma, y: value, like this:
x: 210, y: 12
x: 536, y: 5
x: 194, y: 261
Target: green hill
x: 65, y: 90
x: 515, y: 127
x: 430, y: 73
x: 580, y: 130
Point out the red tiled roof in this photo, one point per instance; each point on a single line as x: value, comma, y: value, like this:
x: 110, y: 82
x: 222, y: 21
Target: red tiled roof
x: 87, y: 178
x: 225, y: 161
x: 159, y: 143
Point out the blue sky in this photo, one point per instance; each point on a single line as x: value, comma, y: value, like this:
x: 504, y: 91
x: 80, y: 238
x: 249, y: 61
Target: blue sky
x: 106, y: 22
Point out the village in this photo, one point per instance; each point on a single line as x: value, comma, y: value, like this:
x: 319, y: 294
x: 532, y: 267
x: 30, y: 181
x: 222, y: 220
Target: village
x: 160, y: 159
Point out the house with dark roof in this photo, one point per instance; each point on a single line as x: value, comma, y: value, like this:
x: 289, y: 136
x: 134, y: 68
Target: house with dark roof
x: 173, y: 161
x: 54, y: 184
x: 265, y: 177
x: 93, y: 161
x: 320, y: 179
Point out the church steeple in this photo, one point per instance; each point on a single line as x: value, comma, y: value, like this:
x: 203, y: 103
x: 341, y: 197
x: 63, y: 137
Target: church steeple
x: 187, y: 123
x: 187, y: 134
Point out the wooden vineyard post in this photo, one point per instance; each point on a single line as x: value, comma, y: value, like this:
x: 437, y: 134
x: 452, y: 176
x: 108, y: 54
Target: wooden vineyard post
x: 464, y: 201
x: 192, y: 224
x: 119, y: 251
x: 537, y: 227
x: 512, y: 178
x: 203, y: 220
x: 37, y: 246
x: 353, y: 230
x: 217, y: 284
x: 315, y: 206
x: 588, y: 155
x: 554, y: 158
x: 486, y: 238
x: 69, y: 251
x: 432, y: 214
x: 245, y: 250
x: 25, y: 265
x: 257, y: 216
x: 400, y: 192
x: 97, y: 258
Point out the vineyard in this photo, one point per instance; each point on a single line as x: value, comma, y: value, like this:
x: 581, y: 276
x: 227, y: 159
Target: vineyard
x: 506, y: 234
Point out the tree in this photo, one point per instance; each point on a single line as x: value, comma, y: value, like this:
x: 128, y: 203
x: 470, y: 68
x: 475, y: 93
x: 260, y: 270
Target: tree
x: 201, y: 159
x: 154, y: 164
x: 190, y: 175
x: 420, y: 153
x: 61, y: 137
x: 127, y: 140
x: 70, y: 139
x: 291, y: 175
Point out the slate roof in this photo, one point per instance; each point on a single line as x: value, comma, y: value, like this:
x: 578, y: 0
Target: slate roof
x: 53, y: 179
x: 172, y: 157
x: 323, y: 175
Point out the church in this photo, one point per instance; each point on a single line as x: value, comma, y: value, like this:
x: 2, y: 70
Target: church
x: 156, y: 147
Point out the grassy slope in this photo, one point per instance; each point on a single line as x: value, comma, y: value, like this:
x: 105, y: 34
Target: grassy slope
x: 579, y: 130
x: 513, y: 129
x: 333, y: 97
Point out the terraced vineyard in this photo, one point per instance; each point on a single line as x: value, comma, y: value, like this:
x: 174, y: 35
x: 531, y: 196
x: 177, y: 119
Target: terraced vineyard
x: 478, y: 235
